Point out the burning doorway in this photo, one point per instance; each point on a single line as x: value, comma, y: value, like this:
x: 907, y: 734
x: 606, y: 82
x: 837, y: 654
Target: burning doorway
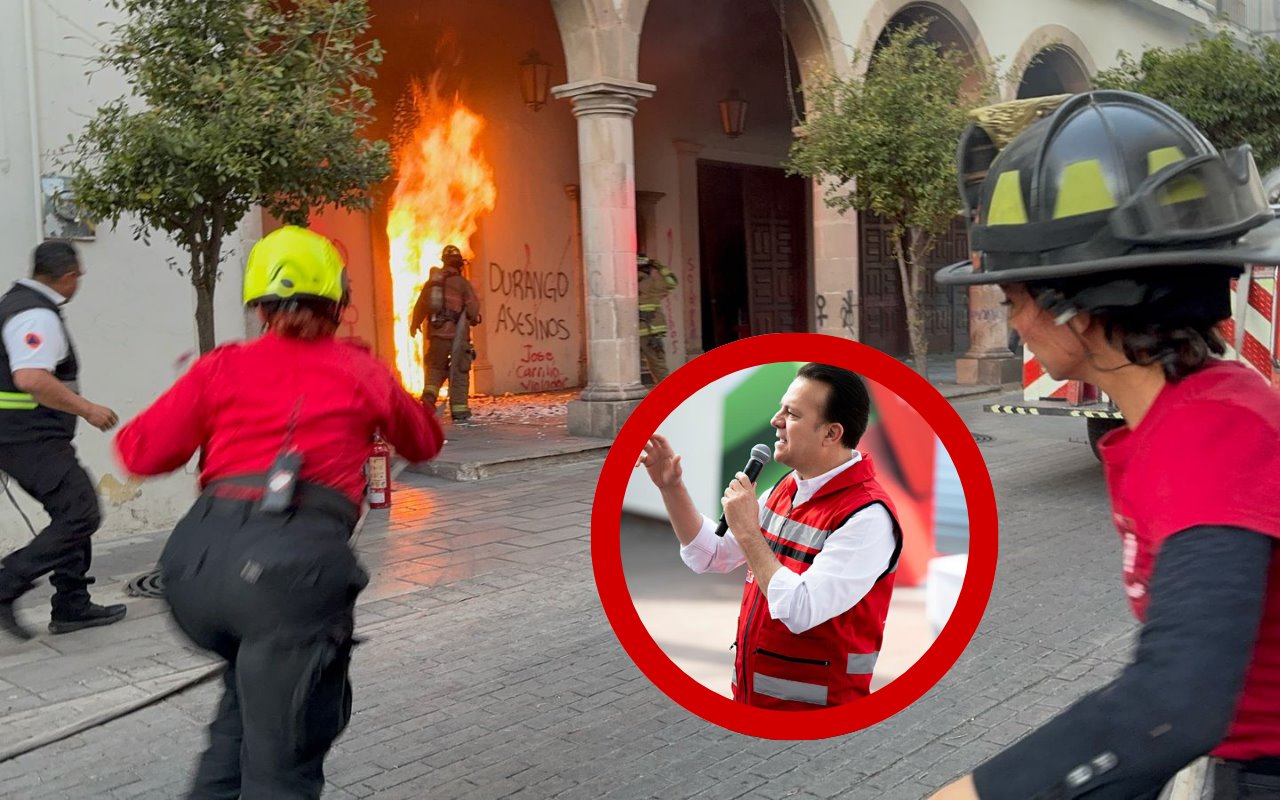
x: 477, y: 168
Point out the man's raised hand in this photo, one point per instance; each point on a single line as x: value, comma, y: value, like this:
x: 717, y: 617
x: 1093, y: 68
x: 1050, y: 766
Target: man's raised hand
x: 661, y: 462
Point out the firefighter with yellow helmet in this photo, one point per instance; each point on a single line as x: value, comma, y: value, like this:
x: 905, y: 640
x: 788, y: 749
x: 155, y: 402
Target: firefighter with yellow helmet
x: 654, y: 282
x: 1114, y: 228
x: 259, y: 570
x: 445, y: 310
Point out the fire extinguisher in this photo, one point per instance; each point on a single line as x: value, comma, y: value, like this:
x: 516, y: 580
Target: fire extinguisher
x: 379, y: 472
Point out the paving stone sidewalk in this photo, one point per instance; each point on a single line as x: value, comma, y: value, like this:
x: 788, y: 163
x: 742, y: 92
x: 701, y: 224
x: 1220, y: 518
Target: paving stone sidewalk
x: 490, y: 671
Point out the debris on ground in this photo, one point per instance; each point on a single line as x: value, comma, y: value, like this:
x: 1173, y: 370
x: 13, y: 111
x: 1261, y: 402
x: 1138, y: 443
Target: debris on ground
x: 541, y: 408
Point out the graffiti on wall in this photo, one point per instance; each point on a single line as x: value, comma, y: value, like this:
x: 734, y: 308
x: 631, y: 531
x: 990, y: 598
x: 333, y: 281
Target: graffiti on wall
x: 522, y: 293
x: 535, y: 315
x: 673, y: 331
x: 691, y: 309
x: 537, y: 371
x: 848, y: 310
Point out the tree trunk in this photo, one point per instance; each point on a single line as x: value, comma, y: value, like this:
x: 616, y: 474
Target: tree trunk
x: 206, y: 254
x: 905, y: 252
x: 204, y: 316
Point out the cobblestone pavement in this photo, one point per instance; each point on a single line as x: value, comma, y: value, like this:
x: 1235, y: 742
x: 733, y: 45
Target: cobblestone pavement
x: 489, y: 670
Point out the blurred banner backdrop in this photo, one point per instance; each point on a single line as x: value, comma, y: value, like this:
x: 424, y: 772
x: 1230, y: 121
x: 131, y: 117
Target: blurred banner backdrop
x: 715, y: 429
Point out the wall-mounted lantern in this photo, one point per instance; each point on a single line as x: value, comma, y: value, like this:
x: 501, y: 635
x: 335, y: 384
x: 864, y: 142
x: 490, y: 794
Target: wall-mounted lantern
x: 733, y: 115
x: 535, y: 78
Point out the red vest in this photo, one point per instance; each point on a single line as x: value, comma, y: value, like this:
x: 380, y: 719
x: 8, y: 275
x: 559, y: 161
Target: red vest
x: 831, y: 663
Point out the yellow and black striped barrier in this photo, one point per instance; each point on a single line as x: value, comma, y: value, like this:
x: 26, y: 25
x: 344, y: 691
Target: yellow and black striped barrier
x: 1054, y: 411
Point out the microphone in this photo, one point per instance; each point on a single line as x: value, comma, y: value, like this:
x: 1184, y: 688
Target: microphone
x: 761, y: 454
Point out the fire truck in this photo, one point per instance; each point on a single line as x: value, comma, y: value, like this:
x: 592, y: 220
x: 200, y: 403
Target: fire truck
x: 1252, y: 336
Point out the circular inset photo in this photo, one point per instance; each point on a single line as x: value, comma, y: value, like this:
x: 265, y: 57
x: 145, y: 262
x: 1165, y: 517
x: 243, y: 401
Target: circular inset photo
x: 794, y: 536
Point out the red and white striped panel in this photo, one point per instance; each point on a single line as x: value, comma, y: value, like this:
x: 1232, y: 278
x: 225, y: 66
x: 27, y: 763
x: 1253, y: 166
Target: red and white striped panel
x: 1259, y: 319
x: 1040, y: 385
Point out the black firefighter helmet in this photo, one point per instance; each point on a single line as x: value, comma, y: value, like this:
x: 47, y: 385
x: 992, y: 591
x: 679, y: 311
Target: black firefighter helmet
x: 451, y: 256
x: 1110, y: 182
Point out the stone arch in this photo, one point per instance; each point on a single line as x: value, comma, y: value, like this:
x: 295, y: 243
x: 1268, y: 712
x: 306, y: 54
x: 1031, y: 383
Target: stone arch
x: 813, y: 38
x: 1050, y: 54
x: 599, y: 39
x: 880, y: 303
x: 950, y: 13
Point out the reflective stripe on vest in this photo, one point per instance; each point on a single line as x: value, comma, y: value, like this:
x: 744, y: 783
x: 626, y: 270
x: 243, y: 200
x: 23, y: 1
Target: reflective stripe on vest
x: 648, y: 306
x: 783, y: 689
x: 862, y: 663
x: 797, y: 533
x: 17, y: 401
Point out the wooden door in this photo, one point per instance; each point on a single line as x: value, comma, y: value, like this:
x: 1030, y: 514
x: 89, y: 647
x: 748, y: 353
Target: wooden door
x: 884, y: 317
x: 776, y: 262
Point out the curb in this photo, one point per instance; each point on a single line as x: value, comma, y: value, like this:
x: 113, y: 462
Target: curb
x: 479, y: 470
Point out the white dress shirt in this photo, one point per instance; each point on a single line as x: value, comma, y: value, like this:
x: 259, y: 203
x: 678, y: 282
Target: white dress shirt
x: 853, y: 557
x: 35, y: 338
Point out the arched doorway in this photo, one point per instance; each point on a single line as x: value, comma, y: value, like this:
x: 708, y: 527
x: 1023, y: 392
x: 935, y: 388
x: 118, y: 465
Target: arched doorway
x: 735, y: 227
x: 1054, y: 70
x: 883, y: 316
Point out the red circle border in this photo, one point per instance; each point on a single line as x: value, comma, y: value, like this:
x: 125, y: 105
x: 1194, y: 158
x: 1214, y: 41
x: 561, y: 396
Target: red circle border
x: 606, y: 538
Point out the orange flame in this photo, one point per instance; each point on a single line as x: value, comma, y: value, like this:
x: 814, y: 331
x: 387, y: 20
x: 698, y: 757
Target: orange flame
x: 443, y: 184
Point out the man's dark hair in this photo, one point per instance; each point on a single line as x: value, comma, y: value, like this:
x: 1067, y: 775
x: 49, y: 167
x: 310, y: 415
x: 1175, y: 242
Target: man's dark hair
x: 53, y: 259
x: 848, y: 402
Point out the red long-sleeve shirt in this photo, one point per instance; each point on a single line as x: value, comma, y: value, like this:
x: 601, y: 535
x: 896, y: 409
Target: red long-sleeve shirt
x: 236, y: 404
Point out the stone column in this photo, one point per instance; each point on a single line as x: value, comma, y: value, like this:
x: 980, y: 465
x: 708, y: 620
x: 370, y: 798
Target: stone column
x: 988, y: 360
x: 606, y: 159
x: 836, y: 304
x: 690, y: 245
x: 575, y: 200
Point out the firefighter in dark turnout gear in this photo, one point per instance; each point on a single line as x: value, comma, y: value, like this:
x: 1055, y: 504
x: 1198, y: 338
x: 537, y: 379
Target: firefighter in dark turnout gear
x: 654, y: 281
x: 445, y: 310
x: 271, y: 586
x: 39, y: 403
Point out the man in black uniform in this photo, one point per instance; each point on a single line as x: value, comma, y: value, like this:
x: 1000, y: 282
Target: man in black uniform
x: 39, y: 403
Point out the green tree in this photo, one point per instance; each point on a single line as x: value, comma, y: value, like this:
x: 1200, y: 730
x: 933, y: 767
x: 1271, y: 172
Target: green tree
x: 1228, y: 87
x: 885, y: 143
x: 235, y: 104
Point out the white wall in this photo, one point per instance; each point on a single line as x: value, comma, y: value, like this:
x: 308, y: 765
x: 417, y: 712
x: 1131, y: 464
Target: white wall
x: 134, y: 316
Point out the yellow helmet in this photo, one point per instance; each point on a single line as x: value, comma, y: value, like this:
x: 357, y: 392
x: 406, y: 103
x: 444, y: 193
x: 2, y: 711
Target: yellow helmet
x: 294, y: 263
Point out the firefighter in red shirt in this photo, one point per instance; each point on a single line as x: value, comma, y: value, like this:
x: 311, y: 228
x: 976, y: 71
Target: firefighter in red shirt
x: 1114, y: 228
x: 259, y: 570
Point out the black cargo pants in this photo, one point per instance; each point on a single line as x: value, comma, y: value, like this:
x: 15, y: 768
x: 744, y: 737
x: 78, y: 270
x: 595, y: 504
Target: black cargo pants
x: 50, y: 473
x: 273, y: 595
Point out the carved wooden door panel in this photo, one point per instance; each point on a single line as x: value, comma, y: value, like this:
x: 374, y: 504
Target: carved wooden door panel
x: 884, y: 317
x: 947, y: 308
x: 884, y: 321
x: 776, y: 264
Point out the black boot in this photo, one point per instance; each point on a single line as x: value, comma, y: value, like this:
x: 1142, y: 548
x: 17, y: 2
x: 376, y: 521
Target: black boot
x: 89, y: 616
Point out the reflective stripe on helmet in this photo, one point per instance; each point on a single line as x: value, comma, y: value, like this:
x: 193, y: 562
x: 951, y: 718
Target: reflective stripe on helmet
x: 1162, y: 157
x: 1006, y: 201
x: 1082, y: 189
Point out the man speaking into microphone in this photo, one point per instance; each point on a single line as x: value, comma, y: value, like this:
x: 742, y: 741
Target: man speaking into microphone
x: 820, y: 547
